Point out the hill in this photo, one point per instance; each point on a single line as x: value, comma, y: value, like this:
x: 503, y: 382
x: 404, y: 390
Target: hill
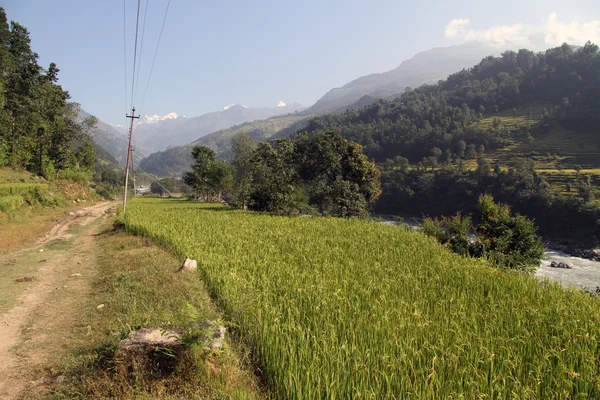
x: 113, y: 141
x: 159, y: 133
x: 425, y: 67
x: 176, y: 160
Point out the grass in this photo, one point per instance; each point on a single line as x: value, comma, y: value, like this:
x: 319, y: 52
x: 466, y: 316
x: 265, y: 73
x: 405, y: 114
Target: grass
x: 136, y: 281
x: 345, y: 308
x: 13, y: 189
x: 12, y: 268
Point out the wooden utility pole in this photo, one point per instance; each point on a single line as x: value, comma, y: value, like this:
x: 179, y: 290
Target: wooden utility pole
x: 132, y: 116
x: 133, y: 171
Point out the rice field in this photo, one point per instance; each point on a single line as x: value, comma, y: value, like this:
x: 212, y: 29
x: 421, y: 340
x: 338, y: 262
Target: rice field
x: 346, y: 308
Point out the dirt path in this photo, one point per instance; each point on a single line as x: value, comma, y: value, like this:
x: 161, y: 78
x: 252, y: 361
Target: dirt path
x: 60, y: 284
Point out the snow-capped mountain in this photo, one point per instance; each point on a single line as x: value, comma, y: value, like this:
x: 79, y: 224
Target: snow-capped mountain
x: 152, y: 119
x: 160, y: 132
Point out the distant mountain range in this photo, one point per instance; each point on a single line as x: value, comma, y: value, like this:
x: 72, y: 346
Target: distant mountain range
x: 114, y: 141
x: 157, y: 133
x: 425, y: 67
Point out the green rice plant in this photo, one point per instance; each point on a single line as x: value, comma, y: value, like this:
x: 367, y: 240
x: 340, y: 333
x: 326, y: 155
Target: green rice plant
x: 347, y: 308
x: 8, y: 203
x: 13, y: 189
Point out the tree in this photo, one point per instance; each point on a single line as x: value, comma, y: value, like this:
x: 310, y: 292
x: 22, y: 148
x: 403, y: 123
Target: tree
x: 586, y: 190
x: 511, y: 241
x: 205, y: 176
x: 452, y: 231
x: 341, y: 180
x: 242, y: 147
x: 274, y: 178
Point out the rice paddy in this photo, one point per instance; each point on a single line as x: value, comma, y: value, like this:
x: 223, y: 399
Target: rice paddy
x: 347, y: 308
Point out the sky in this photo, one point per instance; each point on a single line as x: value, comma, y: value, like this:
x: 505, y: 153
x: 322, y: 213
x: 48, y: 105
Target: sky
x: 258, y: 52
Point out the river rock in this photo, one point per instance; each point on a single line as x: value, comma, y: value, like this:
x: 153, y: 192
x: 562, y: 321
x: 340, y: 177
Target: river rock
x: 188, y: 266
x: 560, y: 264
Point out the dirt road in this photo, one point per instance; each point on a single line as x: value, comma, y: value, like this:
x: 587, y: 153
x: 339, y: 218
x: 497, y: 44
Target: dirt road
x: 55, y: 290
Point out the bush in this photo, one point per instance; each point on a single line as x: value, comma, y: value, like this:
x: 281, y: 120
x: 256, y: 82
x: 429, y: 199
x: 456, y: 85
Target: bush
x: 510, y: 241
x: 76, y: 175
x: 453, y: 231
x: 8, y: 203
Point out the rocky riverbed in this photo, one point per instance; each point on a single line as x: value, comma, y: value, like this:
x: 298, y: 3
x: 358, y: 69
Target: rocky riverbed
x: 573, y: 267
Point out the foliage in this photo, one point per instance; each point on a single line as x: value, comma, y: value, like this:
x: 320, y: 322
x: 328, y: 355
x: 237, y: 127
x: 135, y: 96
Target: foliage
x: 8, y: 203
x: 452, y: 231
x: 39, y: 130
x: 436, y: 123
x: 208, y: 176
x: 168, y: 186
x: 340, y: 179
x: 418, y: 191
x: 323, y: 171
x: 274, y: 178
x: 242, y: 148
x: 508, y: 240
x: 347, y: 308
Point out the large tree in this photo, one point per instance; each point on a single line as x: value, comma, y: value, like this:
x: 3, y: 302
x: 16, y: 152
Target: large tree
x: 340, y: 179
x: 242, y: 147
x: 208, y: 176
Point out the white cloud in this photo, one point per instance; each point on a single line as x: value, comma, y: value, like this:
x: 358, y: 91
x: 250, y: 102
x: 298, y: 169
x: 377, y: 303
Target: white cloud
x: 557, y: 32
x: 553, y: 31
x: 456, y: 27
x: 498, y: 35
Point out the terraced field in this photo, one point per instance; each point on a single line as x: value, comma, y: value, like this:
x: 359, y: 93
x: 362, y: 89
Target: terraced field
x: 346, y: 308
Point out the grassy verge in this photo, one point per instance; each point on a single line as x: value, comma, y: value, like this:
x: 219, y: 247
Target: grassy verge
x: 343, y: 308
x: 138, y: 285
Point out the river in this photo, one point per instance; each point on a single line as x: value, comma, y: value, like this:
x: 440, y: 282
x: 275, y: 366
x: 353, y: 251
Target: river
x: 584, y: 274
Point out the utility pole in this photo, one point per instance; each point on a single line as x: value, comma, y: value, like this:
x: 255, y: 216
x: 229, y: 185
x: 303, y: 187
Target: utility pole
x: 133, y: 171
x: 132, y: 116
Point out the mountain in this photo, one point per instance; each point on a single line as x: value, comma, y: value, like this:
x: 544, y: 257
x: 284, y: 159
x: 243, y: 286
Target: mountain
x: 158, y: 133
x: 425, y: 67
x: 176, y: 160
x: 114, y: 141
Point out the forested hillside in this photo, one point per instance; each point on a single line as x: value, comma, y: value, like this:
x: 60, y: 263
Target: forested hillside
x: 446, y: 117
x: 489, y: 129
x: 39, y: 128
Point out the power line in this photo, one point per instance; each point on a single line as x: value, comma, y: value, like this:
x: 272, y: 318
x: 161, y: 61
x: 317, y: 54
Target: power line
x: 152, y: 178
x: 137, y: 23
x: 155, y: 53
x: 137, y: 78
x: 125, y: 51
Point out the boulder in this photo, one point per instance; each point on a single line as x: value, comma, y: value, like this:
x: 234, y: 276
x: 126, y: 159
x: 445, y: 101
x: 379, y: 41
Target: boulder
x: 151, y: 338
x: 560, y: 264
x: 188, y: 266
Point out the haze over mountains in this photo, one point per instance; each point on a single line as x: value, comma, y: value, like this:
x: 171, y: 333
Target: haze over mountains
x: 155, y: 133
x: 425, y: 67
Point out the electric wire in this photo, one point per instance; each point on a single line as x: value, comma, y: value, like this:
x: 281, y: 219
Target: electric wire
x: 137, y: 23
x: 125, y: 51
x: 155, y: 54
x: 152, y: 178
x: 137, y: 78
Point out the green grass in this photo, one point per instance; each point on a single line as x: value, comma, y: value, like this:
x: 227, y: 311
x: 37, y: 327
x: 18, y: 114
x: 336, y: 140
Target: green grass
x: 13, y: 189
x: 138, y: 284
x: 13, y: 267
x: 346, y: 308
x: 8, y: 203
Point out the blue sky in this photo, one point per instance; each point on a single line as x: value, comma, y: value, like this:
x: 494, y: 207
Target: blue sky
x: 255, y: 52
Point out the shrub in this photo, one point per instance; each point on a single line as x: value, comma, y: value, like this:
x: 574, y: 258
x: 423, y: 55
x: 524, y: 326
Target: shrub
x: 510, y: 241
x: 8, y: 203
x: 453, y: 231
